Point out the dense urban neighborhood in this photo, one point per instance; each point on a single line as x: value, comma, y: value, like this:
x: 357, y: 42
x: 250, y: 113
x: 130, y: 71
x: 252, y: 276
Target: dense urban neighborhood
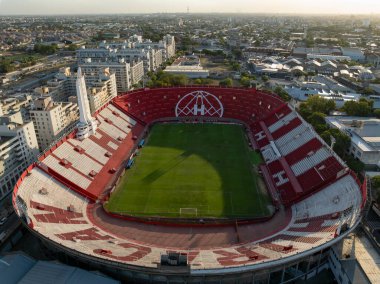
x: 315, y: 77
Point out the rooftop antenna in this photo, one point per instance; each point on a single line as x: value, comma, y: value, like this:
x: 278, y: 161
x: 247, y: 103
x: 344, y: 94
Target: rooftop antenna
x: 188, y: 10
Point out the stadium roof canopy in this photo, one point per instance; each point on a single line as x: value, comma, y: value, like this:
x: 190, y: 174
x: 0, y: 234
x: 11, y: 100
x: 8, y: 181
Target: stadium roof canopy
x: 20, y: 268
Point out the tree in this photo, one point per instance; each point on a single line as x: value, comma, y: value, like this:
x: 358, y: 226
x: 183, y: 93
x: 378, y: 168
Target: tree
x: 245, y: 81
x: 319, y: 104
x: 235, y: 66
x: 257, y: 43
x: 361, y: 108
x: 72, y: 47
x: 342, y: 140
x: 376, y: 181
x: 45, y: 49
x: 179, y: 80
x: 376, y: 113
x: 162, y: 79
x: 367, y: 91
x: 198, y: 81
x: 317, y: 120
x: 226, y: 82
x: 282, y: 93
x: 6, y: 66
x: 237, y: 53
x: 309, y: 41
x: 304, y: 110
x: 354, y: 164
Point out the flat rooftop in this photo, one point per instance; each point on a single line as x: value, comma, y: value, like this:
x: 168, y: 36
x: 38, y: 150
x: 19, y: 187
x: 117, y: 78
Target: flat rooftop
x: 365, y: 131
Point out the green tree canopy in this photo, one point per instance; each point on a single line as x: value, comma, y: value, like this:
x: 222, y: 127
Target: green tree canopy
x: 342, y: 140
x: 245, y: 81
x: 226, y: 82
x: 376, y: 181
x: 361, y: 108
x: 265, y: 78
x: 354, y: 164
x: 235, y: 66
x: 198, y: 81
x: 319, y: 104
x: 72, y: 47
x: 317, y: 120
x: 163, y: 79
x: 282, y: 93
x: 45, y: 49
x: 376, y: 113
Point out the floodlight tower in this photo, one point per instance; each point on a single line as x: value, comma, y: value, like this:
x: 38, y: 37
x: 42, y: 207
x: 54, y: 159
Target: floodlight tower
x: 87, y: 124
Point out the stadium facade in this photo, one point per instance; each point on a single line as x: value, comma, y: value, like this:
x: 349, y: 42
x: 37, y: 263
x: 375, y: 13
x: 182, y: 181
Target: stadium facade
x: 318, y: 200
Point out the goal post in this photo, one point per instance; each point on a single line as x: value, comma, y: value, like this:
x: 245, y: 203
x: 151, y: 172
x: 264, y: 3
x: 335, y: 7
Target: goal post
x: 188, y: 212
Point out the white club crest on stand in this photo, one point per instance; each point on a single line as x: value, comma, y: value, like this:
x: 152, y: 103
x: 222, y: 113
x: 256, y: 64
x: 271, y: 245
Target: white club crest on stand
x: 199, y: 103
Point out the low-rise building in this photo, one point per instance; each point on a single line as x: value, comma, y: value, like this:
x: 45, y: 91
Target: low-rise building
x: 356, y: 54
x: 324, y: 57
x: 325, y: 67
x: 374, y: 59
x: 189, y: 66
x: 303, y: 52
x: 302, y: 92
x: 365, y: 137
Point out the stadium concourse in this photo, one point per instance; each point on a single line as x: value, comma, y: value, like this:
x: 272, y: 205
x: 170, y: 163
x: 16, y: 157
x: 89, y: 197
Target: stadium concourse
x: 319, y: 200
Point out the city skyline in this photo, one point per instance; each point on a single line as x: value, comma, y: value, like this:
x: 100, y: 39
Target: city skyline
x: 45, y: 7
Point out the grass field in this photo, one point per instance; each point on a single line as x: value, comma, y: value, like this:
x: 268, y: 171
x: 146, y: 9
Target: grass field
x: 189, y: 170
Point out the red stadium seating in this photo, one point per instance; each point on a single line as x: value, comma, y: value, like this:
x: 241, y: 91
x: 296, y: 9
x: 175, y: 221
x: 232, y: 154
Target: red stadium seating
x: 301, y: 152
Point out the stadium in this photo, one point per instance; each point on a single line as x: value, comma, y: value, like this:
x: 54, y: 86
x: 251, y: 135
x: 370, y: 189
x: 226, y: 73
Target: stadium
x: 196, y: 185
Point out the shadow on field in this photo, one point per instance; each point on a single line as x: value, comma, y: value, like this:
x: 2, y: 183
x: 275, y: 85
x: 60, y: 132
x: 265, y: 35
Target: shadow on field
x: 153, y: 176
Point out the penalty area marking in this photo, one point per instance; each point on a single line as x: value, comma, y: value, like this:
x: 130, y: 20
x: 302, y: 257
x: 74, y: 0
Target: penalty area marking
x: 188, y: 211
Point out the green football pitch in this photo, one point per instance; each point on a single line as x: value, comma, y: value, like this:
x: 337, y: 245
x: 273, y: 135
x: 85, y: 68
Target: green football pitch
x: 192, y: 170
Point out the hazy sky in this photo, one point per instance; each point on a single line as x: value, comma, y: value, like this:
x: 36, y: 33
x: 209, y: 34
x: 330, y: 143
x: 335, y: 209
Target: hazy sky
x: 149, y: 6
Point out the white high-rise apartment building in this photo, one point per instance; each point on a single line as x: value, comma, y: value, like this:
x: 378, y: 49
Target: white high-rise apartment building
x: 166, y: 45
x: 169, y: 41
x: 116, y: 56
x: 97, y: 77
x: 18, y: 149
x: 121, y: 69
x: 52, y: 119
x: 108, y: 54
x: 126, y: 74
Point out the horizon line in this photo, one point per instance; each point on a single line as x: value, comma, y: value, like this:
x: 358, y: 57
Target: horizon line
x: 194, y: 13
